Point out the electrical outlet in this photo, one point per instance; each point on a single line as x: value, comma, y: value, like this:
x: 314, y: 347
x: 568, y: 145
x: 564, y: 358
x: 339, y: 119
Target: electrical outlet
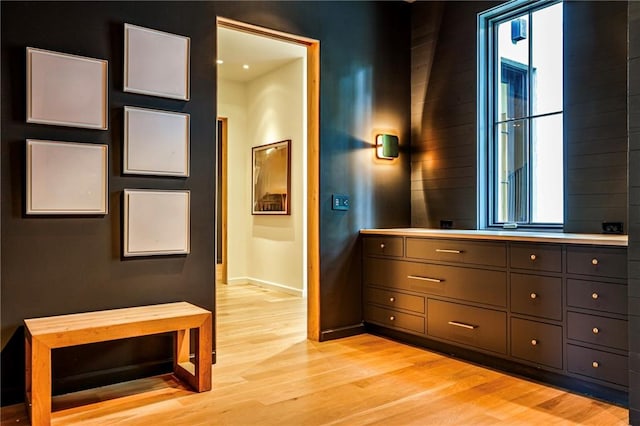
x: 446, y: 224
x: 340, y: 202
x: 612, y: 227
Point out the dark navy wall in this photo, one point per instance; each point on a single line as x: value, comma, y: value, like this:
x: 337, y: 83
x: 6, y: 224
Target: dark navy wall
x: 634, y: 212
x: 444, y: 113
x: 59, y: 265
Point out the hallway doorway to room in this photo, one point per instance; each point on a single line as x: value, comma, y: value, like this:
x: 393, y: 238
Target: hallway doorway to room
x: 268, y: 90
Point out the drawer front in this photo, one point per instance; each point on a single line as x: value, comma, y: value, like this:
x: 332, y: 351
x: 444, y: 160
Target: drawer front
x: 598, y: 364
x: 383, y: 246
x: 537, y: 296
x: 393, y: 299
x: 536, y: 257
x: 599, y: 262
x: 476, y: 285
x: 391, y: 318
x: 467, y: 252
x: 536, y: 342
x: 598, y: 330
x: 598, y: 296
x: 477, y: 327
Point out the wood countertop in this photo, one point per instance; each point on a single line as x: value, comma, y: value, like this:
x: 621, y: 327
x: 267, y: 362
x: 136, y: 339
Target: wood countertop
x: 533, y: 236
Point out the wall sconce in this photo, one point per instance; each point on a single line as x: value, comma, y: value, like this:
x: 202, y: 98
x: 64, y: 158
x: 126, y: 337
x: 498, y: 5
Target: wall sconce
x: 387, y: 146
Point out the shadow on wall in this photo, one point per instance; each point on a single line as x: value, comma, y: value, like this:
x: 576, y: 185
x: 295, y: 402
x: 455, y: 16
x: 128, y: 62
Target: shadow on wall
x: 12, y: 361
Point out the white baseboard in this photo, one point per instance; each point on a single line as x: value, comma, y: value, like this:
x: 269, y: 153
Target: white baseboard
x: 266, y: 284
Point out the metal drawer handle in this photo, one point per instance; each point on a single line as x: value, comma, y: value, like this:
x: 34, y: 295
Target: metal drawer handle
x: 533, y: 295
x: 392, y: 299
x: 533, y: 257
x: 595, y: 330
x: 392, y: 318
x: 431, y: 280
x: 462, y: 325
x: 594, y: 261
x: 534, y: 342
x: 382, y: 246
x: 448, y: 251
x: 594, y: 296
x: 595, y: 364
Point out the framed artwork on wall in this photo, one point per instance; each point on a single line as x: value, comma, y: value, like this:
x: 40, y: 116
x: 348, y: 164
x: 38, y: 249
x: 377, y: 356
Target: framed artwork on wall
x: 156, y: 63
x: 155, y: 142
x: 156, y: 222
x: 66, y: 90
x: 271, y: 179
x: 66, y: 178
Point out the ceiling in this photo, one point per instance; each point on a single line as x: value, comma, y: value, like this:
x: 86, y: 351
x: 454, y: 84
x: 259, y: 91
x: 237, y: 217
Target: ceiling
x: 262, y: 54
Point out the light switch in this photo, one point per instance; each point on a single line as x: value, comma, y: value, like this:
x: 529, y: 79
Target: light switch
x: 340, y: 202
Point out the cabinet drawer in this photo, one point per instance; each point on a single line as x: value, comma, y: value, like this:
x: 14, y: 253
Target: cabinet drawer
x: 393, y: 299
x: 467, y: 252
x: 476, y: 285
x: 384, y: 246
x: 600, y: 262
x: 598, y: 296
x: 477, y: 327
x: 537, y: 296
x: 536, y: 342
x: 598, y: 330
x: 598, y: 364
x: 536, y: 257
x: 391, y: 318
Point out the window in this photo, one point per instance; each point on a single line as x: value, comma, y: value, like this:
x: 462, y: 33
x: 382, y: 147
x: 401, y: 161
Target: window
x: 520, y: 114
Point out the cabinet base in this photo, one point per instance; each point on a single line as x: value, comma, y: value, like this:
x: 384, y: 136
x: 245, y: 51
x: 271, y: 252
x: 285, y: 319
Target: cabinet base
x: 572, y: 384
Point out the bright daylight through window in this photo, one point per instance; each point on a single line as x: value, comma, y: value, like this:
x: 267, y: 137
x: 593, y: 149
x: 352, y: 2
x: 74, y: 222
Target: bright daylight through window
x: 521, y: 113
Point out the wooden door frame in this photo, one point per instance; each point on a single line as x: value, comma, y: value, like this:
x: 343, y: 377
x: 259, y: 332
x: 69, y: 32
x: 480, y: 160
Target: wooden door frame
x: 223, y: 195
x: 313, y: 161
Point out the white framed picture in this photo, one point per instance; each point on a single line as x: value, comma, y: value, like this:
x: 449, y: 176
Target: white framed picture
x: 66, y: 178
x: 155, y: 142
x: 156, y: 63
x: 156, y: 222
x: 66, y: 90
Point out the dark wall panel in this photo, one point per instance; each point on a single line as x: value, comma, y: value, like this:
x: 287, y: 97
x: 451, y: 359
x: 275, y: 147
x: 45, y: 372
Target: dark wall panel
x: 443, y: 108
x: 443, y: 96
x: 634, y: 212
x: 595, y: 105
x: 61, y: 265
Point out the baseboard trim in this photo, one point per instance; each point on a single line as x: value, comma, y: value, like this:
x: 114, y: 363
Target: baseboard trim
x: 339, y: 333
x: 266, y: 284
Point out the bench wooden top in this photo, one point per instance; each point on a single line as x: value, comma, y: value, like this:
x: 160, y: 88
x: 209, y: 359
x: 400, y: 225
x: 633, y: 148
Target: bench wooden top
x: 98, y: 326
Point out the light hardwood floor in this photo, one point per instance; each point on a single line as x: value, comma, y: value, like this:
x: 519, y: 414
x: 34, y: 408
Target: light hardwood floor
x: 268, y: 374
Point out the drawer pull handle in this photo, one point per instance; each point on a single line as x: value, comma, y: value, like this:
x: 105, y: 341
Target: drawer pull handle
x: 594, y: 261
x: 594, y: 296
x: 448, y: 251
x: 534, y: 342
x: 392, y: 318
x: 431, y: 280
x: 462, y: 325
x: 533, y: 257
x: 382, y: 246
x: 392, y: 299
x: 595, y: 364
x: 533, y: 296
x: 595, y: 330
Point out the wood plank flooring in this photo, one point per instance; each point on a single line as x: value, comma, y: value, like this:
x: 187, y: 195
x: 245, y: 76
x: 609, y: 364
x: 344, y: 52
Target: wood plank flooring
x: 268, y: 374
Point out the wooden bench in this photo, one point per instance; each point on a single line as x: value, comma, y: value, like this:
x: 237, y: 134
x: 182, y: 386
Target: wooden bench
x: 44, y: 334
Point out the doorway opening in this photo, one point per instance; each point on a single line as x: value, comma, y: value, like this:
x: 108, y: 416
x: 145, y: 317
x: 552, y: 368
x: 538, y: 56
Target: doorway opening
x: 265, y: 252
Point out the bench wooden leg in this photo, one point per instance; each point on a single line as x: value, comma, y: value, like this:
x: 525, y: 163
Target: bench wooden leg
x: 203, y: 356
x: 38, y: 381
x: 200, y: 378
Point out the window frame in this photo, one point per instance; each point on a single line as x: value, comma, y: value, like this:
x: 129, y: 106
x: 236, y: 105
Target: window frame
x: 487, y: 106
